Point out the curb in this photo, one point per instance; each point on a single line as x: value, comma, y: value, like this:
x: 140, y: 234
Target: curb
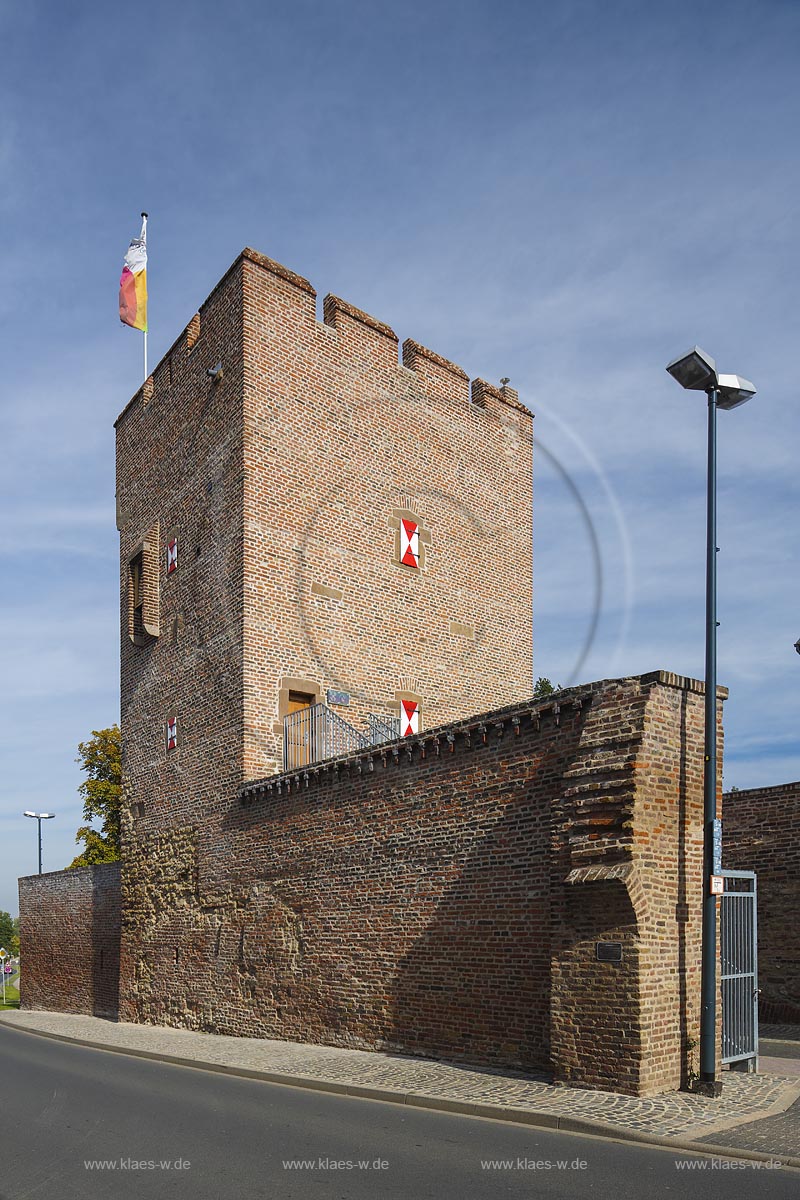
x: 468, y: 1108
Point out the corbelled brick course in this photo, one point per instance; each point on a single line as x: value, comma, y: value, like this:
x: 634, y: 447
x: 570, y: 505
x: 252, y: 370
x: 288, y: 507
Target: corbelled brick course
x: 282, y: 478
x: 444, y: 895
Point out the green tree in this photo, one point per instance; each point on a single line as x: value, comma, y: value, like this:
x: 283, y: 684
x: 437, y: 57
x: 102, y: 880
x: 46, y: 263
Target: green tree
x: 9, y: 930
x: 100, y: 758
x: 543, y: 687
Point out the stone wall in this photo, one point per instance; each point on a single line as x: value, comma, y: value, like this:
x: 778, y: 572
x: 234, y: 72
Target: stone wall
x: 761, y: 833
x: 69, y: 940
x: 445, y: 895
x: 281, y: 480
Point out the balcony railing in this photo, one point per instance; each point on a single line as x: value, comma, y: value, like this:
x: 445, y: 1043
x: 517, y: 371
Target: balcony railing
x: 312, y: 734
x: 382, y: 728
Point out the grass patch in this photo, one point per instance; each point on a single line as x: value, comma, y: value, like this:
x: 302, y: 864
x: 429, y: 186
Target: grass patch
x: 12, y: 997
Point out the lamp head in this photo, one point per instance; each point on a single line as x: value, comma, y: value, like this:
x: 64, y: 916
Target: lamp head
x: 797, y: 645
x: 694, y: 371
x: 29, y: 814
x: 733, y: 391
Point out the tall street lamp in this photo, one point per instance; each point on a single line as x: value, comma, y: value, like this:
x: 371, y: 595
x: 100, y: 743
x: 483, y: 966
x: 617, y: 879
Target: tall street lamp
x: 697, y: 372
x: 40, y: 817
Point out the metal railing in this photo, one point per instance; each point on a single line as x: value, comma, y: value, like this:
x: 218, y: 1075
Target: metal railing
x: 310, y: 735
x: 315, y: 733
x: 739, y: 970
x: 382, y: 728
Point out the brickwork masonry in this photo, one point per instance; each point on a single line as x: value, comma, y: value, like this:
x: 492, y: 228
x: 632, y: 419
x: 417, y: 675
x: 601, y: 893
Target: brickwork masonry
x: 761, y: 833
x: 445, y: 895
x: 69, y: 938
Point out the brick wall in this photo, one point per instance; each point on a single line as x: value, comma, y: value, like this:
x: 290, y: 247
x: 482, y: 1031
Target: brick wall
x: 180, y: 470
x: 283, y: 479
x: 761, y: 833
x: 69, y: 940
x: 340, y: 438
x: 444, y: 895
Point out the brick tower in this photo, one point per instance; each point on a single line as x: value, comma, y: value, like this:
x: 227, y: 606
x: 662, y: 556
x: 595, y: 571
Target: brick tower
x: 306, y: 520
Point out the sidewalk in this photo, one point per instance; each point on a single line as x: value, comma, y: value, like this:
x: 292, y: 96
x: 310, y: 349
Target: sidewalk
x: 757, y: 1116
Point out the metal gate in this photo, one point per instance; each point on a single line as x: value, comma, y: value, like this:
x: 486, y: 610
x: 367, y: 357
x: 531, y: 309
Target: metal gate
x: 739, y: 970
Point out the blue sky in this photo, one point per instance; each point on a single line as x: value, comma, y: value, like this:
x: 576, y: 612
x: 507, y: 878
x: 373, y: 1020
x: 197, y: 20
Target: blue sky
x: 568, y: 194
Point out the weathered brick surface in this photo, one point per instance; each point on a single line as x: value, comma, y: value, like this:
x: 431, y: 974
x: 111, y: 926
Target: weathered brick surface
x: 69, y: 940
x: 282, y: 481
x: 761, y: 833
x: 444, y: 896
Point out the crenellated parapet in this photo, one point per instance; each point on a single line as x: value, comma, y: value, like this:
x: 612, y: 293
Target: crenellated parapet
x: 285, y: 296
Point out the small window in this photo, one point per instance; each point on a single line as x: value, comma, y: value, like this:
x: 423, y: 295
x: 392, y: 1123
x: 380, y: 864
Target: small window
x: 409, y: 543
x: 172, y: 732
x: 410, y: 539
x: 136, y: 610
x: 143, y: 589
x: 172, y: 555
x: 409, y: 717
x: 137, y: 581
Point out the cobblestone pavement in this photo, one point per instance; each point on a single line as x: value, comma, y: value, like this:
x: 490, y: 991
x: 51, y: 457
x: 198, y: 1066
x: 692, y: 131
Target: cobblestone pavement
x: 745, y: 1098
x: 771, y: 1135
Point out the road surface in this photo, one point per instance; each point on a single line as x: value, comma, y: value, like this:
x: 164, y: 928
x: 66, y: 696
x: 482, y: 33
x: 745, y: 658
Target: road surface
x: 162, y: 1130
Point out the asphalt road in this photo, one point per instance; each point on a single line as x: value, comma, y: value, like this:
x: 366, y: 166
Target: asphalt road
x: 68, y: 1106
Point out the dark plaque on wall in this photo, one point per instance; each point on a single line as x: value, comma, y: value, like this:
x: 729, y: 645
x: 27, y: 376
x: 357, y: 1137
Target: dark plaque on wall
x: 608, y: 951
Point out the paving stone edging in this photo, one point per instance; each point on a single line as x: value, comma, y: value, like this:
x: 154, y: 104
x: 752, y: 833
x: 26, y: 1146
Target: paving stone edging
x: 496, y: 1112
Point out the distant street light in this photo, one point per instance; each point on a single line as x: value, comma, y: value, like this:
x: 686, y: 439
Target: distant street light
x: 40, y: 817
x: 697, y: 372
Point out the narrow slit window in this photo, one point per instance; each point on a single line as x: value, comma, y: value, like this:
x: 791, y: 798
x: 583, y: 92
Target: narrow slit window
x: 409, y: 717
x: 136, y: 610
x: 143, y: 589
x: 409, y: 543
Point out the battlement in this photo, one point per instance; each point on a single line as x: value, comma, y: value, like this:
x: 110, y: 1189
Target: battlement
x: 360, y: 335
x: 328, y: 519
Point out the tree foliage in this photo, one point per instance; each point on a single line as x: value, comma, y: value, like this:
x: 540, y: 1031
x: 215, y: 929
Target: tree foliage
x: 100, y: 758
x: 9, y: 933
x: 543, y: 687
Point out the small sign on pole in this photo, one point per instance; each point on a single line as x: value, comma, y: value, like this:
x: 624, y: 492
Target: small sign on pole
x: 717, y: 885
x: 716, y: 846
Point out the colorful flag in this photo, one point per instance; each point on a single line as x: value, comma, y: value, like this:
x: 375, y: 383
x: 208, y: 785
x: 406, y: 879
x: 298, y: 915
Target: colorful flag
x: 133, y: 284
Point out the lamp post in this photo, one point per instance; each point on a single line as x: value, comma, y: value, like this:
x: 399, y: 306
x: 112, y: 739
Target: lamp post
x: 697, y: 372
x: 40, y: 817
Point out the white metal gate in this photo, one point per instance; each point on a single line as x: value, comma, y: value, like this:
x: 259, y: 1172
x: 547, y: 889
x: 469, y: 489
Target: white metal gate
x: 739, y: 970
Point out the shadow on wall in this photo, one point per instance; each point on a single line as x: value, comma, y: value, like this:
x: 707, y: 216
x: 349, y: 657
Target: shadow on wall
x: 410, y: 909
x: 475, y: 984
x: 105, y: 938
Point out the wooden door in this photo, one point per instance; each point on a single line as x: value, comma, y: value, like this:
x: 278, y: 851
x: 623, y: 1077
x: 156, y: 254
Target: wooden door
x: 299, y: 733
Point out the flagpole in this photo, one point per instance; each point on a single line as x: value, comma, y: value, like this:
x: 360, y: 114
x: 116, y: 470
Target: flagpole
x: 144, y: 218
